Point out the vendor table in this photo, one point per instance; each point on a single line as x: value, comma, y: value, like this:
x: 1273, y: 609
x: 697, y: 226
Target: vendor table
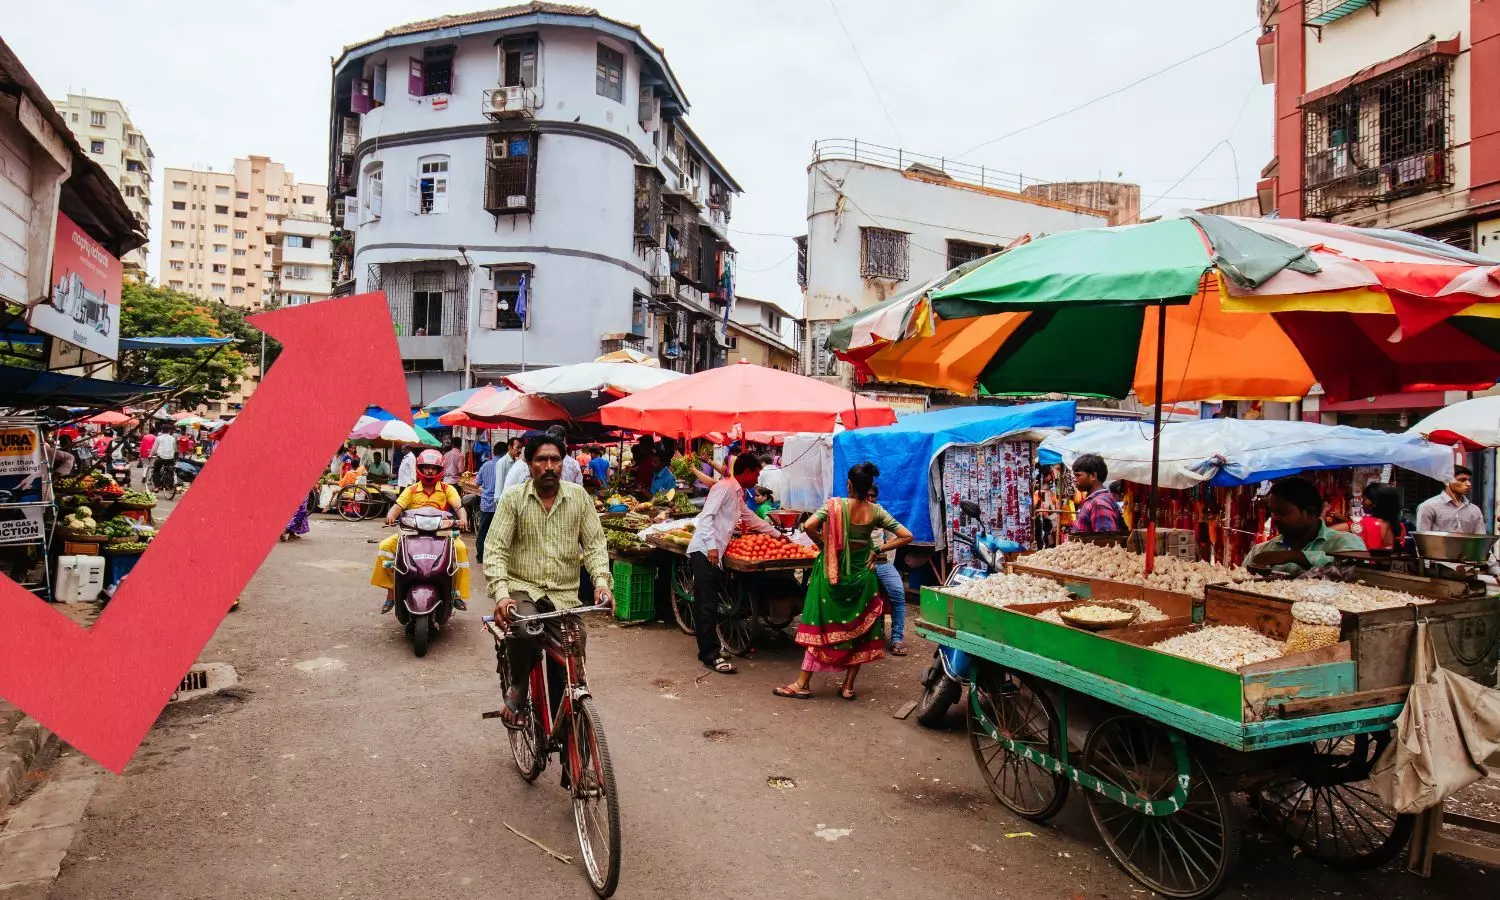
x: 754, y: 596
x: 1166, y: 739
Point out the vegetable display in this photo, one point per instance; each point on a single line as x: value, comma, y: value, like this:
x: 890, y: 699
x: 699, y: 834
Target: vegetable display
x: 1008, y: 590
x: 623, y: 542
x: 1148, y: 614
x: 1347, y: 596
x: 764, y: 548
x: 129, y: 547
x: 80, y: 521
x: 137, y: 498
x: 1223, y: 646
x: 1119, y: 564
x: 118, y: 527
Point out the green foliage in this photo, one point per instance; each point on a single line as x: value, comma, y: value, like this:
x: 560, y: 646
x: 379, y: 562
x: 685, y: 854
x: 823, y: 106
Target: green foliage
x: 232, y: 323
x: 209, y: 374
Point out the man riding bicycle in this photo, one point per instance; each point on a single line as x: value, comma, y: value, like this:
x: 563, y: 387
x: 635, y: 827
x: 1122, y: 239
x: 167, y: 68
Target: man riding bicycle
x: 163, y: 457
x: 544, y: 532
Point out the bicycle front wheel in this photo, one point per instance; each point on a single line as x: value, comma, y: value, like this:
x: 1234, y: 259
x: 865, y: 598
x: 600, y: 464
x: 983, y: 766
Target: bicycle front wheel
x: 596, y: 810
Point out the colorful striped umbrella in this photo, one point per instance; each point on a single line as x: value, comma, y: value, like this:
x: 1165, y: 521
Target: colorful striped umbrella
x: 371, y: 432
x: 491, y: 407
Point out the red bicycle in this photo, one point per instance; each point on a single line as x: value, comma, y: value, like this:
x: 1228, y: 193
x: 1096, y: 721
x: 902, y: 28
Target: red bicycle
x: 567, y: 724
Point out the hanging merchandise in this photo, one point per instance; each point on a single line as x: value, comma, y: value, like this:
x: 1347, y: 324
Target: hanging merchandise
x: 997, y: 477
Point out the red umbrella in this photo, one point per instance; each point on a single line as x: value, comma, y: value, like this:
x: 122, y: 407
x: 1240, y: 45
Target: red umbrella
x: 491, y: 407
x: 109, y: 418
x: 750, y: 397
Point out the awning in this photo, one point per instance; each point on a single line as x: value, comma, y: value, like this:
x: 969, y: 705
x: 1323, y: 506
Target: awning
x: 173, y: 343
x: 23, y: 388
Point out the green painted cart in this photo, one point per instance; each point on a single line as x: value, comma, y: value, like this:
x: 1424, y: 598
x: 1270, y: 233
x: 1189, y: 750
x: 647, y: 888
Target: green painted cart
x: 1160, y: 744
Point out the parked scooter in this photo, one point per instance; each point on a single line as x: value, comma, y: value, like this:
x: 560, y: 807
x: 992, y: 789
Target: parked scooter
x: 943, y: 684
x: 424, y: 567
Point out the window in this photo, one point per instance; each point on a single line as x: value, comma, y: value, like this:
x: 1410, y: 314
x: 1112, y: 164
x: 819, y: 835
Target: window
x: 510, y: 173
x: 97, y: 119
x: 221, y: 190
x: 371, y: 198
x: 298, y: 272
x: 238, y: 273
x: 301, y: 241
x: 96, y: 146
x: 178, y: 204
x: 179, y: 226
x: 298, y: 299
x: 508, y: 307
x: 308, y: 200
x: 220, y: 269
x: 218, y: 289
x: 224, y: 229
x: 426, y: 313
x: 221, y: 248
x: 178, y: 245
x: 238, y: 291
x: 75, y: 117
x: 377, y: 85
x: 884, y: 254
x: 175, y: 265
x: 221, y: 210
x: 241, y: 214
x: 239, y: 251
x: 432, y: 74
x: 801, y: 260
x: 242, y: 195
x: 239, y: 233
x: 518, y: 61
x: 960, y: 252
x: 274, y: 198
x: 431, y: 185
x: 179, y: 185
x: 609, y: 74
x: 176, y: 285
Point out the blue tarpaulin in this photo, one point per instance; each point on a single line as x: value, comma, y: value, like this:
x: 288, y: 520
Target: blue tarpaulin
x: 21, y: 387
x: 173, y: 343
x: 904, y: 452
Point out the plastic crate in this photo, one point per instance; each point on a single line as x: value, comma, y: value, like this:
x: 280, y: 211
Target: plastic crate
x: 635, y: 590
x: 118, y: 565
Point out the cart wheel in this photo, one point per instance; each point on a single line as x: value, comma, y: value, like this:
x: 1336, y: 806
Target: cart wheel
x: 1188, y: 854
x: 1022, y: 713
x: 739, y: 620
x: 682, y: 594
x: 1328, y: 807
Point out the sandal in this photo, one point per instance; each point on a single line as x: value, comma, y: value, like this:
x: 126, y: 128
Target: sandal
x: 898, y: 648
x: 792, y: 692
x: 511, y: 714
x: 722, y: 666
x: 848, y: 694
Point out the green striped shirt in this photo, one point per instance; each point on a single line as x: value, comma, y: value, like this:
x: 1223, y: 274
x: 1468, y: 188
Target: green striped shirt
x: 530, y: 549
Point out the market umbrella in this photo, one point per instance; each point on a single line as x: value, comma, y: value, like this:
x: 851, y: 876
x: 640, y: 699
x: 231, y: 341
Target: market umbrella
x: 492, y: 407
x: 584, y: 387
x: 109, y: 417
x: 744, y: 398
x: 1230, y: 452
x: 1471, y: 424
x: 627, y: 355
x: 452, y: 400
x: 371, y: 432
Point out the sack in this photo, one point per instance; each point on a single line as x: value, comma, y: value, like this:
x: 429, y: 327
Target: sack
x: 1448, y: 727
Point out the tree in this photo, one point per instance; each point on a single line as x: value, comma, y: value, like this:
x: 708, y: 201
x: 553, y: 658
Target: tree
x: 211, y: 373
x: 232, y: 323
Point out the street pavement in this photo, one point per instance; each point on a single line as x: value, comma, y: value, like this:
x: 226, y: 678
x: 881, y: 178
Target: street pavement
x: 342, y: 766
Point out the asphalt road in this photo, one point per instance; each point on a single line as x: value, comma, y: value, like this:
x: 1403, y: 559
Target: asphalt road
x: 345, y: 767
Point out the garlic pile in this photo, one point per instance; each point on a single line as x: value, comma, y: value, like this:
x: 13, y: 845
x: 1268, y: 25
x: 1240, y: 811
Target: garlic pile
x: 1314, y: 613
x: 1347, y: 596
x: 1224, y: 646
x: 1093, y: 612
x: 1148, y: 614
x: 1119, y: 564
x: 1006, y: 590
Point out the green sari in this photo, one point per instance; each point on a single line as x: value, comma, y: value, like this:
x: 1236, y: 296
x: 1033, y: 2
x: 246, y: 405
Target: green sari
x: 843, y: 623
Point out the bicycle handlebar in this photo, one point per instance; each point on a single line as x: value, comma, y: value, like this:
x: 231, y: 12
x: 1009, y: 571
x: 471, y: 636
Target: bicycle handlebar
x: 535, y: 621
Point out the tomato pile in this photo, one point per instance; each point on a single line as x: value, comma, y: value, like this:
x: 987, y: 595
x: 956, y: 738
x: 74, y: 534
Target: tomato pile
x: 764, y: 547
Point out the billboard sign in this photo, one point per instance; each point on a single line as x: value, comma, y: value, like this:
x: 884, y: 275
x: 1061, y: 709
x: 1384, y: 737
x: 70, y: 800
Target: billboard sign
x: 21, y: 525
x: 84, y: 308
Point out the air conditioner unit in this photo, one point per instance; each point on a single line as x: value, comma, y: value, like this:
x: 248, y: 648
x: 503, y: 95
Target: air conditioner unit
x: 508, y: 99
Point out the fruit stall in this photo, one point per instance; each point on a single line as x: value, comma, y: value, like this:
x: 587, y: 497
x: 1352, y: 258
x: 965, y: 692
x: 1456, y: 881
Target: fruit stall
x: 1161, y: 696
x: 98, y: 518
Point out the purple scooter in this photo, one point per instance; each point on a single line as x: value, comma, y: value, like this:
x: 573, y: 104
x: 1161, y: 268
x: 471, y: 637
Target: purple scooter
x: 424, y: 567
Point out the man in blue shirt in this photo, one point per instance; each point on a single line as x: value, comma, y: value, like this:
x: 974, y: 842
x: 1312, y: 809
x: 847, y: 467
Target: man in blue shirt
x: 599, y: 466
x: 486, y: 478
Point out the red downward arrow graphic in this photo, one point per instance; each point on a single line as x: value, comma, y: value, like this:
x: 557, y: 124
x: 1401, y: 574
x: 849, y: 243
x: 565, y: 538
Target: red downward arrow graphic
x: 101, y: 689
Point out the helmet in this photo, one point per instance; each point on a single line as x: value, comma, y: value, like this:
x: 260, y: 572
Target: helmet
x: 429, y: 458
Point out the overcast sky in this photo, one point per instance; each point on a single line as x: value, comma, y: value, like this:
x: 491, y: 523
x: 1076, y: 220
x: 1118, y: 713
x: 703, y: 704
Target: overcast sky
x: 209, y: 81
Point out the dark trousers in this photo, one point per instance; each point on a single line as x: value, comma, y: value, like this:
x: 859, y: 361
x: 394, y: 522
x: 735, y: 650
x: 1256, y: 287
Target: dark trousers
x: 706, y: 591
x: 523, y: 651
x: 481, y: 530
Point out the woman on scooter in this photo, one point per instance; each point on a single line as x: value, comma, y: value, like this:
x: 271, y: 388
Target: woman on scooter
x: 428, y: 493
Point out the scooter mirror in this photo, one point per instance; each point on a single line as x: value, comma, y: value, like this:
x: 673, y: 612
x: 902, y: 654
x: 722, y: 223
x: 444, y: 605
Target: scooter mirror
x: 971, y: 509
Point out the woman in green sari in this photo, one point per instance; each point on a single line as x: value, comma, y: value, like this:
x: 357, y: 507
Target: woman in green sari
x: 842, y: 618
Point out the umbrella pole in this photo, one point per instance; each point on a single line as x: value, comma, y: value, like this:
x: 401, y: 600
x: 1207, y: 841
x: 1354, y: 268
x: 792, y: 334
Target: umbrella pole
x: 1153, y: 501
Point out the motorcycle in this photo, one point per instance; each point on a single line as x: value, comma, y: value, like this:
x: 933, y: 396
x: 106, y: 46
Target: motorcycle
x: 424, y: 567
x: 943, y: 683
x: 187, y: 469
x: 119, y: 467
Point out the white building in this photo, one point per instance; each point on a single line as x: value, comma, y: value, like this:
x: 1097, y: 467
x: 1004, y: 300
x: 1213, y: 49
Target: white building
x: 103, y: 128
x: 522, y: 185
x: 882, y: 221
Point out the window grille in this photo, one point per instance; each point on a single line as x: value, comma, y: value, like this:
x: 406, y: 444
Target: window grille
x: 884, y: 254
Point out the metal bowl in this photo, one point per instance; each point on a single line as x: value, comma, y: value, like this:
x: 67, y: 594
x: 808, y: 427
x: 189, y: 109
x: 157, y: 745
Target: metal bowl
x: 1452, y: 546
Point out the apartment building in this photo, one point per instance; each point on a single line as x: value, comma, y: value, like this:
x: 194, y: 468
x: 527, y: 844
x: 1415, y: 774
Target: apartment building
x: 251, y: 236
x: 882, y: 221
x: 1387, y: 115
x: 104, y: 130
x: 758, y: 333
x: 523, y: 185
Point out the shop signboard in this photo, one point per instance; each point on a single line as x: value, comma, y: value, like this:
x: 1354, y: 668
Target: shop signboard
x: 20, y: 464
x: 21, y: 525
x: 84, y: 307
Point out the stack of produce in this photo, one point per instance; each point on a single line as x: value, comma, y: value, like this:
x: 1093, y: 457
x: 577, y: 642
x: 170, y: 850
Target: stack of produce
x: 1314, y: 625
x: 1223, y: 646
x: 118, y: 527
x: 1119, y: 564
x: 1148, y: 614
x: 680, y: 536
x: 675, y: 502
x: 80, y: 522
x: 137, y: 499
x: 624, y: 542
x: 764, y: 548
x: 1347, y: 596
x: 630, y: 522
x: 1008, y: 590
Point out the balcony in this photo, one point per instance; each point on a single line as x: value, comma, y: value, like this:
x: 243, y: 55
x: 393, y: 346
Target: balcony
x: 1318, y: 13
x: 615, y: 342
x: 513, y: 102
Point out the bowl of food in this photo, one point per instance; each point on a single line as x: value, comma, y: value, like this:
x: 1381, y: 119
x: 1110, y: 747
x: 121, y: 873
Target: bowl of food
x: 1096, y: 615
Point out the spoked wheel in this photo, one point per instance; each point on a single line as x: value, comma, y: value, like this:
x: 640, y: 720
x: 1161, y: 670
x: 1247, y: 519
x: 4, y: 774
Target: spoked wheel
x: 1024, y: 714
x: 596, y: 809
x: 1328, y: 807
x: 525, y: 745
x: 682, y: 594
x: 739, y: 621
x: 1186, y: 854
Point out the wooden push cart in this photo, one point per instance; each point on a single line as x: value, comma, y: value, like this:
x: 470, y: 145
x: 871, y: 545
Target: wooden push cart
x: 1159, y: 742
x: 754, y: 596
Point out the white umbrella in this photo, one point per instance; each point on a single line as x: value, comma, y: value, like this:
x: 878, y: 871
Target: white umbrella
x: 582, y: 388
x: 1473, y: 423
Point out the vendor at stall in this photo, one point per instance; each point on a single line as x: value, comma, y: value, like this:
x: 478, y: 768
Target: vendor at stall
x: 1098, y: 514
x: 1302, y: 540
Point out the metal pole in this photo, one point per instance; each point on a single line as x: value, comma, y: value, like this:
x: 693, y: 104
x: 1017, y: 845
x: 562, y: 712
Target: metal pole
x: 1153, y: 501
x: 262, y: 354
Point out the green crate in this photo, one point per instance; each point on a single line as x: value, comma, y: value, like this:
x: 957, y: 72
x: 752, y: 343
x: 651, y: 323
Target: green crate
x: 635, y: 590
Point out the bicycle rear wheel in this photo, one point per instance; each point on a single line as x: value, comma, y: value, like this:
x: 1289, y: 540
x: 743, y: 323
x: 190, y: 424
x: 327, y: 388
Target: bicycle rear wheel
x: 596, y: 811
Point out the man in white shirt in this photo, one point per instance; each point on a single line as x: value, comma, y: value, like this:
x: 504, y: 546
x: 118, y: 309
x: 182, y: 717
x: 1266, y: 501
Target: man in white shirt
x: 164, y: 451
x: 722, y: 511
x: 506, y: 461
x: 571, y: 471
x: 1451, y: 510
x: 406, y: 476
